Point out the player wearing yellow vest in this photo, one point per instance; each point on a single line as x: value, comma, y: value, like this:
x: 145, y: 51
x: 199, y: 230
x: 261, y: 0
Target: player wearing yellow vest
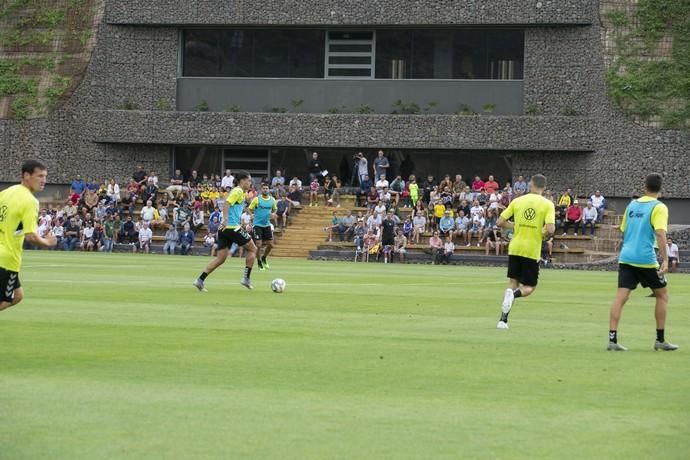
x: 19, y: 222
x: 232, y: 232
x: 644, y: 227
x: 534, y: 219
x: 264, y: 207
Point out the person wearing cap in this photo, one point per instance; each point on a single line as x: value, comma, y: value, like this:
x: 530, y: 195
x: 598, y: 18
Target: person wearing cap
x: 573, y: 217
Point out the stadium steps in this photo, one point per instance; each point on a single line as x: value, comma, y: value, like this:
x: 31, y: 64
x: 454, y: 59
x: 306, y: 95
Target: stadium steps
x: 304, y: 233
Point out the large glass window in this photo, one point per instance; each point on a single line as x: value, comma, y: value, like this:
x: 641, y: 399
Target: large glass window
x: 254, y: 53
x: 450, y: 54
x: 383, y: 54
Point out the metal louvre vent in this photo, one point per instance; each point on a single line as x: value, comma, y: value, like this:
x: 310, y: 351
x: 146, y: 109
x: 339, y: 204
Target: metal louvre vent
x: 350, y: 54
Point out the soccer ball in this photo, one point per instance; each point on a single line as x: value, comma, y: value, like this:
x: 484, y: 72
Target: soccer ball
x: 278, y: 285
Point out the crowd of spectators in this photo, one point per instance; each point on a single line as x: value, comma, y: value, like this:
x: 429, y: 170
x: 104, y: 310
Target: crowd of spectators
x: 190, y: 210
x: 450, y: 211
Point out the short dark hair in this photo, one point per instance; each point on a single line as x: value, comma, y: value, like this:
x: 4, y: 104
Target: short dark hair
x: 653, y: 183
x: 30, y: 166
x: 539, y: 181
x: 241, y: 175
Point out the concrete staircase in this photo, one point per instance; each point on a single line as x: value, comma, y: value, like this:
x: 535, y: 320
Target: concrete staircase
x: 305, y: 232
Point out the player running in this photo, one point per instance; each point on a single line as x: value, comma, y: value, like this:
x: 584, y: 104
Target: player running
x: 535, y: 218
x: 233, y: 233
x: 19, y: 221
x: 644, y: 226
x: 263, y: 206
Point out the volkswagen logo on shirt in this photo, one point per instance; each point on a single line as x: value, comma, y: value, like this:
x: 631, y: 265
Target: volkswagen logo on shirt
x: 529, y: 214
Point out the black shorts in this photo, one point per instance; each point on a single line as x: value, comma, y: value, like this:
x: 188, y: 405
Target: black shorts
x: 629, y: 277
x: 9, y: 282
x: 523, y: 269
x: 388, y: 242
x: 263, y: 233
x: 228, y: 236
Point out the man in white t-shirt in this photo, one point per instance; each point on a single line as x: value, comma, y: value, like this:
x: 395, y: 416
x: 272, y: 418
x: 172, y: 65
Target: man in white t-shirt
x: 245, y: 218
x: 476, y: 210
x: 148, y: 212
x: 672, y: 256
x: 374, y: 221
x: 599, y: 203
x: 295, y: 182
x: 228, y: 180
x: 45, y: 219
x: 380, y: 208
x: 145, y: 237
x: 381, y: 183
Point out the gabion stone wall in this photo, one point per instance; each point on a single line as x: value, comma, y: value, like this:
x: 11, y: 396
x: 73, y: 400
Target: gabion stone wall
x: 121, y: 114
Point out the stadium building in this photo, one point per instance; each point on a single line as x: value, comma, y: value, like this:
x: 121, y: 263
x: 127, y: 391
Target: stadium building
x: 501, y: 87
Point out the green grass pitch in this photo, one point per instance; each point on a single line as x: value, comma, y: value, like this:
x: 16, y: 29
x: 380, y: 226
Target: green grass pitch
x: 118, y: 356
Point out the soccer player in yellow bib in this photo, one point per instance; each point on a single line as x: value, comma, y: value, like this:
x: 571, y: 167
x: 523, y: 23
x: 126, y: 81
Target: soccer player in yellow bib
x: 534, y: 219
x: 19, y: 222
x: 232, y: 232
x: 644, y: 228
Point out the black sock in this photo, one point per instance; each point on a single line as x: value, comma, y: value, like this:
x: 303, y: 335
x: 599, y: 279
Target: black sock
x: 613, y: 336
x: 258, y: 261
x: 504, y: 317
x: 517, y: 293
x: 660, y: 335
x: 263, y: 259
x: 203, y: 276
x: 247, y: 272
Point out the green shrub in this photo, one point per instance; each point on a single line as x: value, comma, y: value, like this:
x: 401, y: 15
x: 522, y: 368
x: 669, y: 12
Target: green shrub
x: 201, y: 107
x: 405, y: 108
x: 654, y: 89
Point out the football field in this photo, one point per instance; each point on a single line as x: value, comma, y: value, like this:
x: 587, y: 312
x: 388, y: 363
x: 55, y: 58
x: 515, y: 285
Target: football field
x: 118, y: 356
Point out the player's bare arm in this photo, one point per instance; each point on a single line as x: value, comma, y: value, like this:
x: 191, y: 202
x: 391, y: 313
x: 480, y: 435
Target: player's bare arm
x: 503, y: 223
x: 663, y: 250
x: 48, y: 242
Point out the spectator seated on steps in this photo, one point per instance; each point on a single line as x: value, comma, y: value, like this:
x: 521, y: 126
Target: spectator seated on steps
x: 448, y: 250
x: 447, y: 224
x: 436, y: 247
x: 573, y: 218
x: 599, y: 203
x: 186, y: 239
x: 171, y: 238
x: 589, y: 218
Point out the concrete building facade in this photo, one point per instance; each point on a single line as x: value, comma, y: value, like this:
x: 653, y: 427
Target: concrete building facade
x: 544, y: 110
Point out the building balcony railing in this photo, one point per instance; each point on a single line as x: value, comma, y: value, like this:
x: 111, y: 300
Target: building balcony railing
x: 500, y: 97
